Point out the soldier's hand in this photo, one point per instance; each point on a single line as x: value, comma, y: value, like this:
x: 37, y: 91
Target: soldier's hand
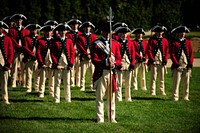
x: 5, y: 68
x: 69, y: 68
x: 89, y: 56
x: 76, y: 52
x: 44, y: 66
x: 60, y: 67
x: 33, y: 58
x: 179, y: 68
x: 143, y: 59
x: 112, y: 64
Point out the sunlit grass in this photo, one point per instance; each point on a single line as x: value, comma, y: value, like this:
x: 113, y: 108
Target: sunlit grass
x: 28, y: 113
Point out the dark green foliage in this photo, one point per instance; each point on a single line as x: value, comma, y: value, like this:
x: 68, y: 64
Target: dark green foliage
x: 136, y: 13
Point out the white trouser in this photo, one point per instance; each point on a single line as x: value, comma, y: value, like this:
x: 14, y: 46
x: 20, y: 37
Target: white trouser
x: 4, y: 84
x: 154, y: 71
x: 127, y: 78
x: 65, y: 74
x: 86, y: 64
x: 103, y: 88
x: 75, y: 72
x: 42, y: 73
x: 176, y: 78
x: 31, y: 67
x: 141, y: 68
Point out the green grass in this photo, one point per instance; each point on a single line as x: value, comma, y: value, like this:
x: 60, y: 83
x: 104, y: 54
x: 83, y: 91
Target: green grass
x: 196, y: 54
x: 193, y: 34
x: 148, y: 114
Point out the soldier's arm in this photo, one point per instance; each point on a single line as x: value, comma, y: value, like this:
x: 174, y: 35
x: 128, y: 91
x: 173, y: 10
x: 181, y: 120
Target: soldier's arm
x: 173, y: 55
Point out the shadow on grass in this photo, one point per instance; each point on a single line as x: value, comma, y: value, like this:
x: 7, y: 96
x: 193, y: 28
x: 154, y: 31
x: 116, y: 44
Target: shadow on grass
x: 83, y: 99
x: 66, y: 119
x: 17, y: 89
x: 90, y: 92
x: 24, y: 100
x: 148, y: 98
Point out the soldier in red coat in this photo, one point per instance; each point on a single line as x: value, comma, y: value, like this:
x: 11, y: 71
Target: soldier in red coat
x: 73, y: 34
x: 140, y: 58
x: 101, y: 77
x: 45, y: 61
x: 62, y: 53
x: 182, y: 61
x: 31, y: 64
x: 6, y: 58
x: 17, y: 33
x: 52, y: 23
x: 127, y: 52
x: 115, y: 26
x: 84, y: 44
x: 158, y: 55
x: 7, y: 20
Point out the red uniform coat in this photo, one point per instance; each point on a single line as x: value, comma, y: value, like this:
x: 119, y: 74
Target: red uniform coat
x: 175, y: 52
x: 152, y: 50
x: 98, y: 58
x: 41, y: 50
x: 82, y: 44
x: 28, y: 47
x: 7, y: 51
x: 70, y: 35
x: 14, y: 35
x: 131, y: 50
x: 56, y: 48
x: 137, y: 55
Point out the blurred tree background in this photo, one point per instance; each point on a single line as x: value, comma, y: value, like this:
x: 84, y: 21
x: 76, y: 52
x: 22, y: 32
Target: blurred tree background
x: 136, y: 13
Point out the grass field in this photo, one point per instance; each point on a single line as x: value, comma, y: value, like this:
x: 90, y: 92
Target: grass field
x: 147, y: 114
x: 193, y: 34
x: 196, y: 54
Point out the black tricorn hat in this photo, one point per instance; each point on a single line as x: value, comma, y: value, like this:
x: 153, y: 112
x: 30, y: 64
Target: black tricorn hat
x: 3, y: 25
x: 87, y: 24
x: 74, y: 21
x: 47, y: 28
x: 33, y: 26
x: 138, y: 31
x: 62, y: 27
x: 105, y: 26
x: 122, y: 30
x: 158, y: 28
x: 18, y: 16
x: 119, y: 24
x: 6, y: 19
x: 180, y: 29
x: 51, y: 22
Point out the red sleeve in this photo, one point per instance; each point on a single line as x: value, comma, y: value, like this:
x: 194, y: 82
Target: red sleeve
x: 149, y: 50
x: 72, y: 52
x: 137, y: 55
x: 39, y: 52
x: 145, y: 48
x: 54, y: 51
x: 166, y: 49
x: 26, y: 49
x: 93, y: 38
x: 96, y: 55
x: 133, y: 53
x: 10, y: 51
x: 81, y: 41
x: 190, y: 52
x: 117, y: 54
x: 173, y: 53
x: 13, y: 35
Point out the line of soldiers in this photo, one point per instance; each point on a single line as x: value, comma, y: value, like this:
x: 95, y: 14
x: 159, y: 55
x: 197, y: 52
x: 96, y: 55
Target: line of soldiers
x: 67, y: 50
